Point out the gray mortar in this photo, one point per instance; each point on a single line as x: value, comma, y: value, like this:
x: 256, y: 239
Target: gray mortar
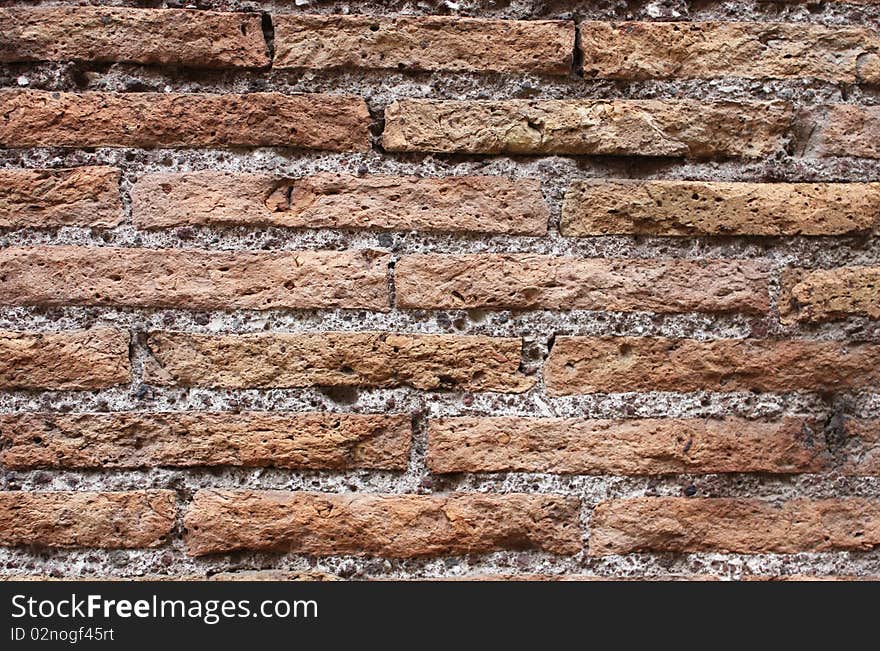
x: 536, y: 328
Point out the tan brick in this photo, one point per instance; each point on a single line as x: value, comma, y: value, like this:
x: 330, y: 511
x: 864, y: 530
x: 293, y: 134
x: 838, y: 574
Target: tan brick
x: 705, y: 50
x: 81, y: 359
x: 588, y: 126
x: 397, y: 526
x: 693, y: 208
x: 357, y: 359
x: 30, y: 118
x: 828, y: 294
x: 81, y: 196
x: 203, y: 39
x: 184, y: 439
x: 487, y: 204
x: 621, y: 364
x: 748, y: 526
x: 65, y: 519
x: 424, y: 43
x: 624, y: 447
x: 842, y: 130
x: 525, y: 281
x: 192, y: 279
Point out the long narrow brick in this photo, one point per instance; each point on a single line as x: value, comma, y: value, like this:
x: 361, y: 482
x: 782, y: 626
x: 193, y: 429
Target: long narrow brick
x: 356, y: 359
x: 30, y: 118
x: 621, y: 364
x: 203, y: 39
x: 828, y: 294
x: 705, y: 50
x: 748, y: 526
x: 69, y: 520
x: 625, y: 447
x: 693, y: 208
x: 397, y: 526
x: 81, y: 196
x: 588, y: 126
x: 486, y: 204
x: 841, y: 130
x: 184, y: 439
x: 523, y: 281
x: 192, y: 279
x: 81, y: 359
x: 424, y: 43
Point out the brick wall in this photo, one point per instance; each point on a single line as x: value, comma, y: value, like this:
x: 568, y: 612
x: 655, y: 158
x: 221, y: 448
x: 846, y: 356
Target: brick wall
x: 470, y: 290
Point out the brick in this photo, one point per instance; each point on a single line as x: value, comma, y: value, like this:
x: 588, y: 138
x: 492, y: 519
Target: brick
x: 30, y: 118
x: 192, y: 279
x: 487, y: 204
x: 706, y: 50
x: 524, y: 281
x: 81, y: 196
x: 424, y: 43
x: 82, y: 359
x: 842, y: 130
x: 69, y: 520
x: 184, y: 440
x: 397, y: 526
x: 695, y: 208
x: 354, y: 359
x: 828, y: 294
x: 747, y: 526
x: 203, y: 39
x: 621, y: 364
x: 624, y: 447
x: 859, y: 441
x: 588, y: 126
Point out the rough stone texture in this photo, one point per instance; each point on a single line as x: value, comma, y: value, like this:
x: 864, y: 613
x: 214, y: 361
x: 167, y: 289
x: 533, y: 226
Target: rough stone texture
x: 706, y: 50
x: 748, y: 526
x: 487, y: 204
x: 82, y: 196
x: 842, y: 130
x: 564, y: 283
x: 861, y: 440
x: 181, y: 439
x: 693, y: 208
x: 827, y: 294
x: 622, y: 128
x: 652, y: 446
x: 423, y: 43
x: 63, y: 519
x: 202, y: 39
x: 310, y: 121
x: 398, y: 526
x: 618, y: 364
x: 85, y: 359
x: 354, y: 359
x: 192, y: 279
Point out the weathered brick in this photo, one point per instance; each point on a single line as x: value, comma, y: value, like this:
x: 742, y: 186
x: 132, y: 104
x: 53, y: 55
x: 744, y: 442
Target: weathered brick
x: 860, y: 445
x: 842, y: 130
x: 650, y: 446
x: 424, y: 43
x: 524, y: 281
x: 82, y: 359
x: 63, y: 519
x: 81, y: 196
x: 588, y: 126
x: 748, y: 526
x: 357, y: 359
x: 30, y: 118
x: 693, y: 208
x: 203, y: 39
x: 705, y: 50
x: 398, y: 526
x: 192, y: 279
x: 488, y: 204
x: 182, y: 439
x: 621, y: 364
x: 828, y: 294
